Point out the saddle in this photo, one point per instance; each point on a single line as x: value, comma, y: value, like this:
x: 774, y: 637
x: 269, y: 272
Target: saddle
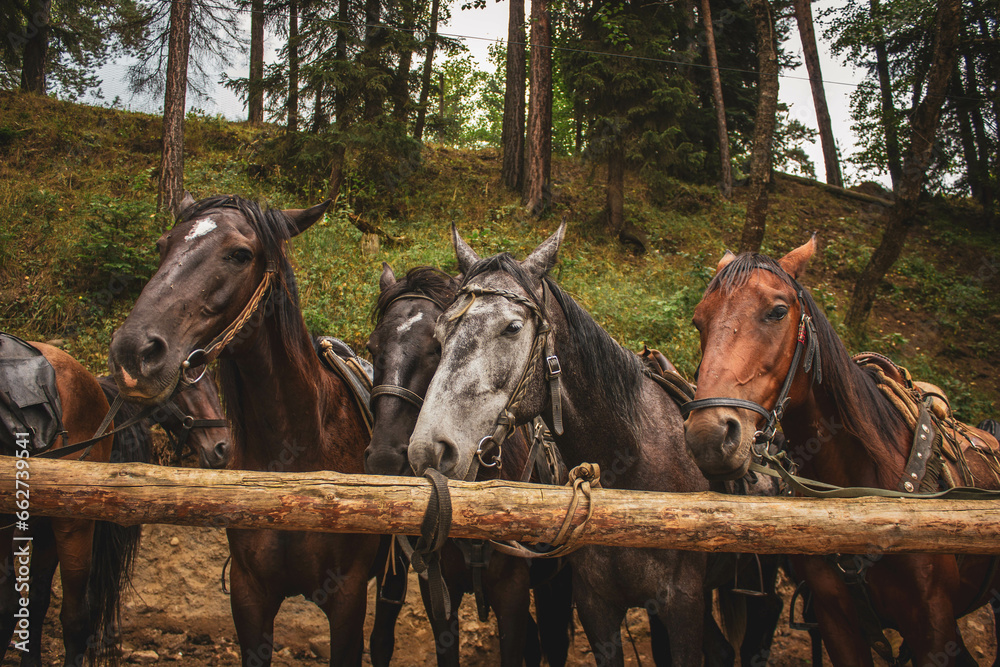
x: 660, y: 370
x: 357, y: 373
x: 29, y: 398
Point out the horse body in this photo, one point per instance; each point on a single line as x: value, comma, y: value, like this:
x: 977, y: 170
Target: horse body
x: 225, y: 287
x: 841, y: 430
x: 405, y: 355
x: 95, y: 558
x: 612, y: 415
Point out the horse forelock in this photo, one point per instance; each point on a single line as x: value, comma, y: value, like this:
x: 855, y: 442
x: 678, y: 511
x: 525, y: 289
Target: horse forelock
x: 606, y: 365
x: 426, y: 280
x: 862, y: 408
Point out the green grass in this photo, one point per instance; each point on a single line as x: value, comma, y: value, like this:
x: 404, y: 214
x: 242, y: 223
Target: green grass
x: 79, y: 200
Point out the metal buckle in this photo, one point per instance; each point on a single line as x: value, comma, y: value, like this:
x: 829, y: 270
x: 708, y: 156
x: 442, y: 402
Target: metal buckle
x: 554, y: 368
x: 480, y: 451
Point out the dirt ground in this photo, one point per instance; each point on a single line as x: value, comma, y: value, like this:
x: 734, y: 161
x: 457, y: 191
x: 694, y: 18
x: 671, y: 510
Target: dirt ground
x: 179, y: 614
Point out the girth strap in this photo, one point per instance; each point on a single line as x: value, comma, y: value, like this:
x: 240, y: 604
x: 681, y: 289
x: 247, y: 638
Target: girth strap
x: 853, y: 571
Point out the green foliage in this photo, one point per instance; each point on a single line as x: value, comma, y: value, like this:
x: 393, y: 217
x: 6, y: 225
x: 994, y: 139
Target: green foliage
x: 789, y: 136
x: 115, y: 255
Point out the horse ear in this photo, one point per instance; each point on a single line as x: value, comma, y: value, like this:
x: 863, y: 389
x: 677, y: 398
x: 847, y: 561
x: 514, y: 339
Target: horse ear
x: 186, y: 201
x: 543, y: 257
x: 466, y: 255
x: 302, y: 219
x: 724, y: 262
x: 388, y: 278
x: 795, y: 261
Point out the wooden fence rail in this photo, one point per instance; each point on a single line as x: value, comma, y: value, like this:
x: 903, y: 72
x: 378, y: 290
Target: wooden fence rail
x: 330, y: 502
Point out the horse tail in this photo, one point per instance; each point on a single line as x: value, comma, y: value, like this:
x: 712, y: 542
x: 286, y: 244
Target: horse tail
x: 733, y: 610
x: 115, y: 547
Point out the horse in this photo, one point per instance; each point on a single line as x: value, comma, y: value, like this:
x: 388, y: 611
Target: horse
x: 405, y: 355
x: 225, y: 289
x: 601, y: 407
x: 192, y: 419
x: 95, y: 558
x: 843, y: 427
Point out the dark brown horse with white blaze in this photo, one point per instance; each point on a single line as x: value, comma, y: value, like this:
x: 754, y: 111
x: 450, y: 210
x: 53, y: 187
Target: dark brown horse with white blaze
x: 94, y: 558
x: 842, y: 430
x: 225, y: 288
x: 405, y: 355
x: 613, y: 414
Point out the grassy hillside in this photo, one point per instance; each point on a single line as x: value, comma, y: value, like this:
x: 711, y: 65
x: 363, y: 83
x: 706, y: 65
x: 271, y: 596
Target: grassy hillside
x: 78, y: 222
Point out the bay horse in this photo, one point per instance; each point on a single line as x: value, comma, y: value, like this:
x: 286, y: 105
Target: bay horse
x: 841, y: 429
x: 612, y: 413
x: 405, y: 355
x: 225, y: 288
x: 192, y: 419
x: 95, y: 558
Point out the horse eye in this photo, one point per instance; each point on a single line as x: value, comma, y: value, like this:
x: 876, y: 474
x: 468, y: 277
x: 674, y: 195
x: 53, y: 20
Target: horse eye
x: 513, y: 328
x: 240, y: 256
x: 778, y: 313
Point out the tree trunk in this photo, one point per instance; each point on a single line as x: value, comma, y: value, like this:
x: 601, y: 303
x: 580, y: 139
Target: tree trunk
x: 171, y: 187
x: 255, y: 89
x: 892, y: 150
x: 512, y: 134
x: 320, y: 120
x: 763, y: 131
x: 401, y: 82
x: 901, y: 217
x: 983, y: 146
x: 425, y: 82
x: 341, y: 97
x: 726, y: 172
x: 538, y: 185
x: 371, y: 58
x: 134, y: 493
x: 36, y: 48
x: 615, y: 194
x: 965, y: 133
x: 803, y: 14
x: 293, y: 66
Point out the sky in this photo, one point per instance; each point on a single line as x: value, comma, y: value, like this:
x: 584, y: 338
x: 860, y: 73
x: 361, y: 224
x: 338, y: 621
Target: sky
x: 478, y: 28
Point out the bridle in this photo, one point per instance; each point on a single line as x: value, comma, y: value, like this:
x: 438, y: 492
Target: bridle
x: 806, y: 351
x: 188, y: 423
x: 505, y: 422
x: 396, y: 390
x: 202, y: 357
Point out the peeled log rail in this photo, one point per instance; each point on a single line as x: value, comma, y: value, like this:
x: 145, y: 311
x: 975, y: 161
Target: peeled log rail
x: 329, y: 502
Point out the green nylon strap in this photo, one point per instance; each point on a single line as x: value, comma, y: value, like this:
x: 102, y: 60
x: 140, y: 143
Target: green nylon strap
x: 814, y: 489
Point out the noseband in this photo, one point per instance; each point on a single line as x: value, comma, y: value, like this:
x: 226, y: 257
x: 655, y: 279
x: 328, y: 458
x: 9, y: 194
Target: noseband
x: 188, y: 423
x: 806, y: 351
x: 505, y: 422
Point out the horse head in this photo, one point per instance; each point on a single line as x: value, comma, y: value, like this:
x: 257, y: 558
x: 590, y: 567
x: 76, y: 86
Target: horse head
x: 491, y: 368
x: 750, y: 321
x: 198, y: 422
x: 405, y: 355
x: 221, y: 262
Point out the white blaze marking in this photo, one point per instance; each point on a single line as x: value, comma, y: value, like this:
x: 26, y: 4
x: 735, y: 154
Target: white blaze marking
x: 408, y: 324
x: 201, y: 228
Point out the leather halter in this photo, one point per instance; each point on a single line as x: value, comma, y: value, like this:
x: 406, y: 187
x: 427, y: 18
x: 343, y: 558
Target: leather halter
x: 505, y: 422
x: 396, y: 390
x: 806, y: 351
x: 204, y: 356
x: 188, y: 423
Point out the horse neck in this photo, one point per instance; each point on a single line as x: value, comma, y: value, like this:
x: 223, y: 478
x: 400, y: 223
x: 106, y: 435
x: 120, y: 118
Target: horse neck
x: 293, y: 414
x: 825, y: 449
x: 593, y: 430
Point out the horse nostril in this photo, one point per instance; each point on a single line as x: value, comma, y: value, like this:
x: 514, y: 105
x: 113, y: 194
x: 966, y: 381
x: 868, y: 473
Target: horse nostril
x: 221, y: 451
x: 153, y: 351
x: 733, y: 435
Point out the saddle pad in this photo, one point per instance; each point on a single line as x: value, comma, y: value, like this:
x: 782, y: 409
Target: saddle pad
x: 29, y: 399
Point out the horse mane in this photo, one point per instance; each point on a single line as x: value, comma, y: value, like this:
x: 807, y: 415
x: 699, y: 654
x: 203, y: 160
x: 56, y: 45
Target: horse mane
x: 134, y: 444
x: 614, y: 372
x: 426, y: 280
x: 273, y: 230
x: 861, y: 406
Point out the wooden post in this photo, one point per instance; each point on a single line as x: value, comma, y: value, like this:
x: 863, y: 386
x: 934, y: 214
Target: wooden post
x: 331, y: 502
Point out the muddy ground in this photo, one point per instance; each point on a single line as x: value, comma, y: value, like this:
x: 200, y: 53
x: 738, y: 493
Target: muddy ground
x: 179, y: 614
